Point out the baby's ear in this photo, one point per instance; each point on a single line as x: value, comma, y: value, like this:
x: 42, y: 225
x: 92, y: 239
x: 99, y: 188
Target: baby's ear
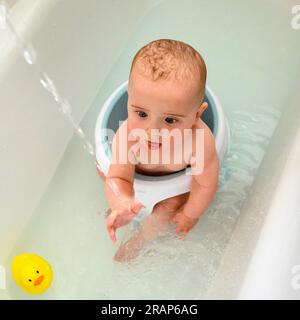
x: 201, y: 109
x: 204, y: 106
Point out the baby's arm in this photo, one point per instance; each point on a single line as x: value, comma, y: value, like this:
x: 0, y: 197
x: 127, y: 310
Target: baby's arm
x: 119, y: 186
x: 119, y: 180
x: 204, y: 185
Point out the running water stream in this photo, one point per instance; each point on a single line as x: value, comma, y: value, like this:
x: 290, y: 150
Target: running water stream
x: 30, y: 56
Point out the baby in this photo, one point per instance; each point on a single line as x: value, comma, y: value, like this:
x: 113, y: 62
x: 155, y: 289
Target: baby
x: 165, y: 95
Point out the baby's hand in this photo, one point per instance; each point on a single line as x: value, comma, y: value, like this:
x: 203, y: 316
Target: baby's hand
x: 184, y: 223
x: 121, y: 215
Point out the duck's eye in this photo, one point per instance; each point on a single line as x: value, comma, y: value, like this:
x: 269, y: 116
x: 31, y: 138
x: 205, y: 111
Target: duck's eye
x: 37, y: 271
x: 142, y: 114
x: 29, y: 280
x: 170, y: 120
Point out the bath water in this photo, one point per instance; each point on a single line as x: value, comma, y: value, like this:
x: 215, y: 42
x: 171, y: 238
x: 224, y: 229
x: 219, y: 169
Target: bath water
x: 251, y: 68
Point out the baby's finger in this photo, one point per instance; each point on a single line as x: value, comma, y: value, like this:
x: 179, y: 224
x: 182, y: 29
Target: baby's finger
x: 112, y: 232
x: 112, y: 235
x: 181, y: 232
x: 110, y: 221
x: 136, y: 207
x: 110, y: 228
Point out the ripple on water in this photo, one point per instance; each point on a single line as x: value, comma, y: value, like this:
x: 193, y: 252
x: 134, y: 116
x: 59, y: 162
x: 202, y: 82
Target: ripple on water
x: 174, y: 268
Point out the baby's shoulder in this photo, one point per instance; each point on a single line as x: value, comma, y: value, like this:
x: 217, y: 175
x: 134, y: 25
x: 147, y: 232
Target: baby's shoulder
x: 202, y: 129
x: 203, y: 140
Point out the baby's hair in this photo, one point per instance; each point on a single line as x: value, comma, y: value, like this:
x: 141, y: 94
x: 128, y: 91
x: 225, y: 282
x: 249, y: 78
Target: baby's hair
x: 166, y: 58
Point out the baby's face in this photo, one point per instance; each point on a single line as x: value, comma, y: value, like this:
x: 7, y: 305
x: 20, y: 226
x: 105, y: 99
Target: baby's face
x: 161, y: 104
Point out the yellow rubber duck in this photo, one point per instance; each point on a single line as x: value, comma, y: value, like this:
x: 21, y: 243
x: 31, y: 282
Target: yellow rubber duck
x: 32, y: 273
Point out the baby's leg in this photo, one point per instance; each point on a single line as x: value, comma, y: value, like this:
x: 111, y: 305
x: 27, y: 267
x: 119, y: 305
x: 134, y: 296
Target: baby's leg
x: 162, y: 215
x: 166, y: 208
x: 157, y: 222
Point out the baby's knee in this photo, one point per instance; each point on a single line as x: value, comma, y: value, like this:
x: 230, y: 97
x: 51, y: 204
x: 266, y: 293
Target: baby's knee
x: 171, y: 205
x: 168, y: 206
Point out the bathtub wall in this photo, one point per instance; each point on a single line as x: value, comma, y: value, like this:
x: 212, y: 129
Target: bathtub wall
x: 76, y: 42
x: 262, y: 260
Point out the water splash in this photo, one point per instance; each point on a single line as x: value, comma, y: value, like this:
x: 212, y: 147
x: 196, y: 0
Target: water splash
x: 3, y: 16
x: 89, y: 148
x: 80, y: 132
x: 65, y: 109
x: 49, y: 85
x: 30, y: 56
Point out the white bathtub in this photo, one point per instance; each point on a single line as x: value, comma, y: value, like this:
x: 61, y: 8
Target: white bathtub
x: 263, y: 256
x: 264, y: 248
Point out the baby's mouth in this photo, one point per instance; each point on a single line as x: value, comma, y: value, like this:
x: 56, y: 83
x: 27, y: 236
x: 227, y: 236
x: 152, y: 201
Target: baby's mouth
x: 153, y: 145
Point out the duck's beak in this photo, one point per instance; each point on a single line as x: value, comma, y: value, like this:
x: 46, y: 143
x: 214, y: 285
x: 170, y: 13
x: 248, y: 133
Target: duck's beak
x: 39, y: 280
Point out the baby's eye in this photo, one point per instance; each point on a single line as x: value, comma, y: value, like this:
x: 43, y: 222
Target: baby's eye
x: 141, y: 114
x: 170, y: 120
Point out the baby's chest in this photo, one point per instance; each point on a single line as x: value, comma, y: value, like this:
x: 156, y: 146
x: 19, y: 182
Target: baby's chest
x: 161, y: 161
x: 150, y: 169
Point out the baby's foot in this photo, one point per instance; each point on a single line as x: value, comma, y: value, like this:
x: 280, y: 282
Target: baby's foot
x: 129, y: 250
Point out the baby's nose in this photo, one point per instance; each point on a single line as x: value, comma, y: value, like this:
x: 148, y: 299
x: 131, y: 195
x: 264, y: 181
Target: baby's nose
x: 153, y: 133
x: 153, y: 127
